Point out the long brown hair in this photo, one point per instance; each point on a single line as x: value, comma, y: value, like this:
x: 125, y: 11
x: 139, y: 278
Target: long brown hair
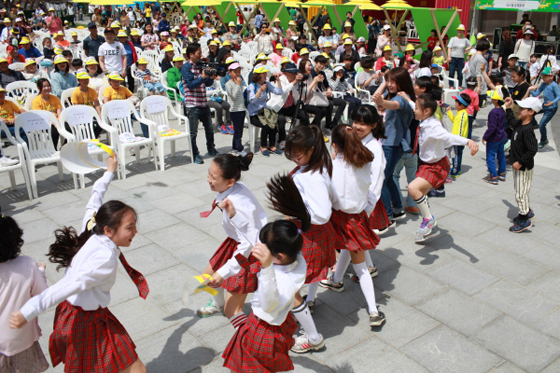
x: 68, y: 242
x: 301, y: 139
x: 348, y: 142
x: 403, y: 80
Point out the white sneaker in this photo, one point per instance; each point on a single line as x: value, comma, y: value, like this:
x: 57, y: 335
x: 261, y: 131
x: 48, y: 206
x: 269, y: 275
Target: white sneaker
x: 5, y: 161
x: 379, y: 232
x: 303, y: 344
x: 282, y: 145
x: 209, y: 309
x: 376, y: 319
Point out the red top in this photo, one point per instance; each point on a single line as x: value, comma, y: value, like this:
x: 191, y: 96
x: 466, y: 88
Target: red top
x: 239, y: 18
x: 432, y: 40
x: 519, y: 35
x: 19, y: 57
x: 474, y: 101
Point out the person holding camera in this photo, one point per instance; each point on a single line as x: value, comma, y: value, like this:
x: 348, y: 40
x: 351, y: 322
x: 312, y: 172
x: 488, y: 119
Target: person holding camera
x: 527, y: 26
x: 264, y: 40
x: 195, y: 80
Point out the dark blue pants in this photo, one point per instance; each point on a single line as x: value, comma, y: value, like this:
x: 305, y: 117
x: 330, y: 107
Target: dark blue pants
x: 471, y: 122
x: 495, y: 152
x: 203, y: 114
x: 352, y: 103
x: 456, y: 64
x: 548, y: 114
x: 237, y: 117
x: 457, y: 160
x: 390, y: 194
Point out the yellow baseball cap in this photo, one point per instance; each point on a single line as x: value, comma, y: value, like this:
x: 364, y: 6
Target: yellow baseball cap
x: 51, y: 9
x: 461, y: 27
x: 169, y: 48
x: 284, y: 60
x: 387, y: 48
x: 325, y: 55
x: 122, y: 34
x: 410, y: 47
x: 495, y: 95
x: 262, y: 57
x: 214, y: 43
x: 276, y: 20
x: 82, y: 75
x: 292, y: 23
x: 92, y: 61
x: 327, y: 27
x: 279, y: 46
x: 24, y: 40
x: 438, y: 48
x: 345, y: 36
x: 327, y: 44
x: 226, y: 43
x: 348, y: 42
x: 260, y: 70
x: 232, y: 24
x: 2, y: 89
x: 2, y: 59
x: 29, y: 61
x: 116, y: 77
x: 347, y: 24
x: 60, y: 59
x: 213, y: 31
x: 60, y: 33
x: 116, y: 24
x: 230, y: 60
x: 142, y: 61
x: 303, y: 51
x: 178, y: 58
x: 57, y: 50
x: 74, y: 33
x: 7, y: 20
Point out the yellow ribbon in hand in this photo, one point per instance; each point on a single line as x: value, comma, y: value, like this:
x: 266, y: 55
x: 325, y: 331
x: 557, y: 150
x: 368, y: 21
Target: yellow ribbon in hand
x: 203, y: 279
x: 91, y: 222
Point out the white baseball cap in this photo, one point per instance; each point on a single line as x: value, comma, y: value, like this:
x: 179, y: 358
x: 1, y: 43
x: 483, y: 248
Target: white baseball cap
x: 530, y: 103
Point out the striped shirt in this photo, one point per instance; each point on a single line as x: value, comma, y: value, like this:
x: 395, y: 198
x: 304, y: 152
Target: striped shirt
x: 194, y: 86
x: 142, y: 75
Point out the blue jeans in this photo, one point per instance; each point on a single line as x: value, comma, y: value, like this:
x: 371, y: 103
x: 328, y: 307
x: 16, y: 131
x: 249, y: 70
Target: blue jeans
x: 390, y: 194
x: 547, y: 116
x: 456, y: 64
x: 471, y: 122
x: 523, y: 64
x: 410, y: 164
x: 155, y: 86
x: 352, y: 103
x: 493, y: 150
x: 457, y: 160
x: 203, y: 114
x: 237, y: 117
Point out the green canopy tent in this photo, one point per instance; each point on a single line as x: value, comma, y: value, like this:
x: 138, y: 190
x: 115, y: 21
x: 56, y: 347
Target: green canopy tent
x: 337, y: 14
x: 426, y: 20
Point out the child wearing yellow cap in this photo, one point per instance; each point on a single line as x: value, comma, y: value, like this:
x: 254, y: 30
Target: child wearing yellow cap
x: 148, y: 79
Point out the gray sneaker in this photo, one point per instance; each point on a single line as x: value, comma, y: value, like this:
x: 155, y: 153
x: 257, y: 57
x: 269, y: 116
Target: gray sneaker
x: 209, y: 309
x: 303, y: 344
x: 376, y: 319
x: 425, y: 228
x: 330, y: 284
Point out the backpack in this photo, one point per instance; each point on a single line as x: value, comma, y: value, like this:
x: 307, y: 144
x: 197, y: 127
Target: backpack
x: 246, y: 94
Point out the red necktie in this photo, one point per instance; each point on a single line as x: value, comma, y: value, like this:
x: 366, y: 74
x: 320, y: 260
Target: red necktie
x: 294, y: 171
x: 250, y: 264
x: 138, y: 278
x: 415, y: 149
x: 206, y: 214
x: 289, y: 100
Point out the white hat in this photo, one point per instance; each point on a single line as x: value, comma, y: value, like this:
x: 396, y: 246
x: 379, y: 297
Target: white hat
x: 386, y: 27
x: 338, y: 67
x: 530, y: 103
x: 513, y: 55
x: 472, y: 51
x: 361, y: 39
x: 528, y: 32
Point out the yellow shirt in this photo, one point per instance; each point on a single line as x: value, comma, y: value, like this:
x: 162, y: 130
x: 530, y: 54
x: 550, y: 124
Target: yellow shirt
x: 7, y: 110
x: 148, y: 12
x: 460, y: 122
x: 439, y: 60
x: 81, y: 98
x: 121, y: 94
x: 52, y: 104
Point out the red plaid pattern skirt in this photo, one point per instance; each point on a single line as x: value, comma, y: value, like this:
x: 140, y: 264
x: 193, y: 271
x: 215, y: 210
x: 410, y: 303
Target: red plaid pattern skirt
x: 90, y: 341
x: 354, y: 231
x: 319, y: 251
x: 245, y: 281
x: 379, y: 218
x: 434, y: 173
x: 260, y: 347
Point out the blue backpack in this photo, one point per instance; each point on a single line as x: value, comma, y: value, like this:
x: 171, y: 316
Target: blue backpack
x: 246, y: 94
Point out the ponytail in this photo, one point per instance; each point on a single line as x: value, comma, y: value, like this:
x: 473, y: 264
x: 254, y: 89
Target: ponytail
x: 232, y: 165
x: 10, y: 238
x: 348, y: 142
x: 286, y: 236
x: 68, y: 242
x: 303, y: 138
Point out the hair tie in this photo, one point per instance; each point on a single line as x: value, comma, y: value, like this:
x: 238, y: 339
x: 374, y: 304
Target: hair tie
x: 91, y: 222
x: 300, y: 231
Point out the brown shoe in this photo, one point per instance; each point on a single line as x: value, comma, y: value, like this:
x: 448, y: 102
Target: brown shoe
x: 412, y: 210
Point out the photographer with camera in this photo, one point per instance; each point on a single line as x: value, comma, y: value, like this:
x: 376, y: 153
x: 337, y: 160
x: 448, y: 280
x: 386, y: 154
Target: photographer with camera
x: 286, y: 104
x: 264, y: 40
x: 195, y: 81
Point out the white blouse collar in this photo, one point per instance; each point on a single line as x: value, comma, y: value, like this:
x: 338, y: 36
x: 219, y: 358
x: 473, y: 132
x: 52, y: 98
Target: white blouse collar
x: 109, y: 243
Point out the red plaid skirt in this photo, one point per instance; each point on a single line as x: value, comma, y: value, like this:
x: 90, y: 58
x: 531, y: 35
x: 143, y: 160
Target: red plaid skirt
x: 245, y: 281
x: 319, y: 251
x: 354, y: 232
x: 379, y: 218
x: 434, y: 173
x: 90, y: 341
x: 260, y: 347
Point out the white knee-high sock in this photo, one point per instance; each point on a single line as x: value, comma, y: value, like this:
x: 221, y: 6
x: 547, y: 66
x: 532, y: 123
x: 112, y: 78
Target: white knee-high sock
x: 303, y: 316
x: 422, y: 204
x: 312, y: 292
x: 237, y: 320
x: 366, y: 283
x: 369, y: 262
x: 341, y: 266
x: 219, y: 299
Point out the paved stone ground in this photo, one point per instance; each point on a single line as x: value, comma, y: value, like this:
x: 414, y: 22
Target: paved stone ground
x: 477, y: 298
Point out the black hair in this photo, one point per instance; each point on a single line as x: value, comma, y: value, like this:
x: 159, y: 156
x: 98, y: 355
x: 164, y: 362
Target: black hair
x: 303, y: 138
x: 347, y: 57
x: 285, y: 236
x: 367, y: 62
x: 426, y: 58
x: 425, y: 82
x: 321, y: 59
x: 77, y: 62
x: 521, y: 72
x: 472, y: 79
x: 68, y: 242
x: 57, y: 68
x: 427, y: 101
x: 192, y: 48
x: 232, y: 165
x: 369, y: 116
x: 384, y: 68
x: 404, y: 83
x: 10, y: 238
x: 465, y: 98
x: 41, y: 82
x: 496, y: 80
x: 66, y: 53
x: 483, y: 45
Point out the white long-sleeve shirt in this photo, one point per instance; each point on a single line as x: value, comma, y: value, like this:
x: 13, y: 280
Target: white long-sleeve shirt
x: 433, y: 139
x: 278, y: 285
x: 91, y: 275
x: 318, y: 194
x: 244, y: 227
x: 377, y: 171
x: 276, y: 102
x: 351, y: 185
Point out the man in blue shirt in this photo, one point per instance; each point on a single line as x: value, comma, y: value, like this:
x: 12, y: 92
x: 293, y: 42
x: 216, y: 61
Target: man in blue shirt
x: 27, y: 50
x: 164, y: 23
x: 551, y: 94
x: 258, y: 20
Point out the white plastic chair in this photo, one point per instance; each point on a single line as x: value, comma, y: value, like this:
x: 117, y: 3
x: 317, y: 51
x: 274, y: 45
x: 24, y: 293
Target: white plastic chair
x: 362, y: 94
x: 157, y: 109
x: 101, y: 92
x: 139, y: 89
x: 29, y: 101
x: 17, y: 66
x: 177, y: 100
x: 37, y: 127
x: 253, y: 132
x: 80, y: 119
x: 447, y: 91
x: 118, y: 114
x: 66, y: 96
x: 21, y: 165
x: 341, y: 95
x: 313, y: 54
x: 21, y: 90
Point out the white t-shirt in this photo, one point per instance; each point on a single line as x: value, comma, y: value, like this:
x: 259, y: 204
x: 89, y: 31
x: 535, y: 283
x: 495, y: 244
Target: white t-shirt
x: 459, y: 46
x: 113, y: 56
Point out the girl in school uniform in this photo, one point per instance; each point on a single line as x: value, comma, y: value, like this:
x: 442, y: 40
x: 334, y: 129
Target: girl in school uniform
x: 431, y: 141
x: 87, y: 337
x: 242, y: 231
x: 312, y: 176
x: 262, y: 342
x: 352, y: 180
x: 369, y: 127
x: 20, y: 279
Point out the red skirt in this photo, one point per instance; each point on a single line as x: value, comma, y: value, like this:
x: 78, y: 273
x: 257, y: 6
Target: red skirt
x: 260, y: 347
x: 319, y: 251
x: 354, y: 232
x: 434, y: 173
x: 245, y: 281
x: 90, y: 341
x: 379, y: 219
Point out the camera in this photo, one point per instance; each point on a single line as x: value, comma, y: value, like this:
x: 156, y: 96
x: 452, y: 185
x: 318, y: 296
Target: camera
x: 213, y: 68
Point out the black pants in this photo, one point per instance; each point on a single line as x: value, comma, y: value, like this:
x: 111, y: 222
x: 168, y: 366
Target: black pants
x: 289, y: 112
x: 352, y: 103
x: 320, y: 112
x: 237, y: 117
x: 268, y: 135
x: 340, y: 104
x: 72, y: 20
x: 130, y: 79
